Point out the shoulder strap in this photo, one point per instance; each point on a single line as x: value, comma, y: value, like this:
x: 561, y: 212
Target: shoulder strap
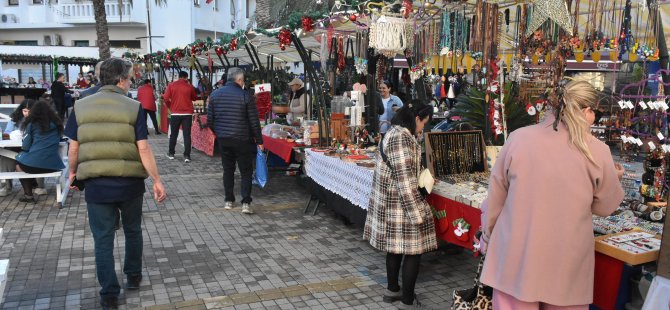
x: 383, y: 155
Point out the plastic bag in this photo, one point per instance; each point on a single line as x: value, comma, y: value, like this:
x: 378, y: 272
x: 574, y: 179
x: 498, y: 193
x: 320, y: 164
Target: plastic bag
x: 261, y: 173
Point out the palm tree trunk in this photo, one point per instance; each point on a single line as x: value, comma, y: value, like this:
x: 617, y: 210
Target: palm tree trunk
x: 101, y: 29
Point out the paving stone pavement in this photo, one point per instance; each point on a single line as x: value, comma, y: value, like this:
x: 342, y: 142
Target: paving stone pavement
x: 199, y: 256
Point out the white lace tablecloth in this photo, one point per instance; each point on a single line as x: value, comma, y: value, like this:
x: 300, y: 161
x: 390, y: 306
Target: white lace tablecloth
x: 348, y: 180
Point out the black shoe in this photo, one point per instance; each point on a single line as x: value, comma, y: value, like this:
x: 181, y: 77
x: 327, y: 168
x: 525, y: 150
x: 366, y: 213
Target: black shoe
x: 109, y: 302
x: 27, y: 199
x: 134, y: 282
x: 158, y: 132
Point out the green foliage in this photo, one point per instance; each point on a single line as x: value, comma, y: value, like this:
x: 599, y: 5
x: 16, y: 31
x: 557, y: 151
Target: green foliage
x: 471, y: 108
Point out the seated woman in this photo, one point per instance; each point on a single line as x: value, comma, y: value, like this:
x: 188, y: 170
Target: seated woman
x: 7, y: 164
x: 42, y: 131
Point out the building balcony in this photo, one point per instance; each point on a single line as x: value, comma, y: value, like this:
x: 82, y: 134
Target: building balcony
x: 74, y: 12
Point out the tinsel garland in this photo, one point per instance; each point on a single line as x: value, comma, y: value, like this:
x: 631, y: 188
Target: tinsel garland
x: 263, y: 103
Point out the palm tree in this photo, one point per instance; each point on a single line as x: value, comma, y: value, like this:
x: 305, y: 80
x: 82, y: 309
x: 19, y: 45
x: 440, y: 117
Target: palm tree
x: 470, y: 107
x: 101, y: 29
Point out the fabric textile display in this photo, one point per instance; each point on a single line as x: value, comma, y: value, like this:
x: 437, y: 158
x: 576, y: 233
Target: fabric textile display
x: 390, y: 35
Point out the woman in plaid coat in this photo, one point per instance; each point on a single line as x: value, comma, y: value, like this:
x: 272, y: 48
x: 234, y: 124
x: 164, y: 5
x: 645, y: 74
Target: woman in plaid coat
x: 400, y: 221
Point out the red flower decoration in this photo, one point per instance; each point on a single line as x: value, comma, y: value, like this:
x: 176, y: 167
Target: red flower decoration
x: 407, y: 7
x: 233, y: 44
x: 307, y: 24
x: 219, y: 50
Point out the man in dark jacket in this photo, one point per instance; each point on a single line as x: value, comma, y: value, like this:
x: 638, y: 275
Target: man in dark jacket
x: 58, y: 91
x: 233, y: 117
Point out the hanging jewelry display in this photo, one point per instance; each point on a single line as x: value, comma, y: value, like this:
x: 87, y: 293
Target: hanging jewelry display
x: 390, y: 35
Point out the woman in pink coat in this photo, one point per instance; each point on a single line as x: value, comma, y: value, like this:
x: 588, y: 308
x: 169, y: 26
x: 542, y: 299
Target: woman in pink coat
x: 537, y: 229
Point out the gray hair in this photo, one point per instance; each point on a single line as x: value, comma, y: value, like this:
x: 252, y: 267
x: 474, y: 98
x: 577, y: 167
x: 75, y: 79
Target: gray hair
x: 235, y: 74
x: 113, y: 70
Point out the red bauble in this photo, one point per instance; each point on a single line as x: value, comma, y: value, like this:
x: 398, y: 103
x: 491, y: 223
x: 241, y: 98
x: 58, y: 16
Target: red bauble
x: 307, y: 24
x: 282, y: 47
x: 233, y: 44
x: 159, y: 53
x: 284, y: 38
x: 353, y: 17
x: 219, y: 51
x: 407, y: 6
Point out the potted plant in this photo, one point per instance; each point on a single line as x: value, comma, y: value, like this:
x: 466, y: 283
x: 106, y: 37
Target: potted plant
x: 278, y: 106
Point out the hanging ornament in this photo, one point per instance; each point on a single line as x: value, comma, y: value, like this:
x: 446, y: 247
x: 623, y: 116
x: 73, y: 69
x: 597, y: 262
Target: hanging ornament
x: 179, y: 54
x: 406, y: 8
x: 233, y: 44
x: 219, y: 50
x: 461, y: 229
x: 307, y: 24
x: 530, y: 109
x: 193, y: 49
x: 284, y: 38
x: 353, y: 17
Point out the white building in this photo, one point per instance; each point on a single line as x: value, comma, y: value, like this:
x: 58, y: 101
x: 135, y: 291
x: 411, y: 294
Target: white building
x: 67, y: 27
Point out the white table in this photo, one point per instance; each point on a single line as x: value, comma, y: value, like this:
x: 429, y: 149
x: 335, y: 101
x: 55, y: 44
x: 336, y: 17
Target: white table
x: 4, y: 144
x: 348, y: 180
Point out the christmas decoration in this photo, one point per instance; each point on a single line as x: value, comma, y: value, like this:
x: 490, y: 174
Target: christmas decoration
x: 219, y: 50
x: 461, y: 229
x: 284, y: 38
x: 233, y: 44
x: 353, y: 17
x: 556, y: 10
x: 307, y: 24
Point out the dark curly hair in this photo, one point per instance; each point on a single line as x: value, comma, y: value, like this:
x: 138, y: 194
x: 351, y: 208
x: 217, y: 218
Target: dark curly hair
x: 17, y: 115
x: 43, y: 115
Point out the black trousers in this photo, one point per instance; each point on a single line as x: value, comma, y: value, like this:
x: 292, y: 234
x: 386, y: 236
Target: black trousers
x: 152, y: 114
x: 185, y: 122
x: 244, y: 155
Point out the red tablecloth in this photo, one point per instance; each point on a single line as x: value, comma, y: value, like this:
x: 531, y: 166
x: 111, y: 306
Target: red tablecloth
x: 279, y: 147
x: 202, y: 139
x: 455, y: 210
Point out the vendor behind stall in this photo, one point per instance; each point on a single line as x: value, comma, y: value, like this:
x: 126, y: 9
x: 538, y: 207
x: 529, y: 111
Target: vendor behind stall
x: 299, y: 101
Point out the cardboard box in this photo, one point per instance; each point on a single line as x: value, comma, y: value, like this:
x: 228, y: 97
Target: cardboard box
x: 664, y: 255
x: 622, y: 255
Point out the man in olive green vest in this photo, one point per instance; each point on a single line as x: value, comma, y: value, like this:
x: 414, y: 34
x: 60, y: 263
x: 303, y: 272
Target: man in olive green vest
x: 110, y: 154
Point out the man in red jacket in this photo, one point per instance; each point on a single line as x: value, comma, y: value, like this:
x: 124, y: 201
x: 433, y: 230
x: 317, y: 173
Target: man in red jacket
x: 179, y: 97
x: 145, y: 95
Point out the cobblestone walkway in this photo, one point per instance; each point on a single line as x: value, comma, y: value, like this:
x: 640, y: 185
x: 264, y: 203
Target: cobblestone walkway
x: 199, y: 256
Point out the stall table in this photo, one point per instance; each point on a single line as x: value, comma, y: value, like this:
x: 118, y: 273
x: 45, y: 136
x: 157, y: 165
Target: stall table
x: 279, y: 147
x: 202, y: 139
x: 27, y: 93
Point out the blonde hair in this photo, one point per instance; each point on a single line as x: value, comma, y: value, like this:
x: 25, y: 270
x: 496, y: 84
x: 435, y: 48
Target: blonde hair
x: 578, y: 95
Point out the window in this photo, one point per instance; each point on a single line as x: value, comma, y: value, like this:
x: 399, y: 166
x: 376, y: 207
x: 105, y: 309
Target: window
x: 80, y: 43
x: 196, y: 2
x: 13, y: 2
x: 26, y: 43
x: 251, y: 8
x: 38, y: 1
x: 125, y: 43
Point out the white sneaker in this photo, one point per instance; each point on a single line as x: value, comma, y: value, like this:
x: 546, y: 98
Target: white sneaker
x: 5, y: 191
x: 228, y: 205
x: 246, y: 209
x: 39, y: 191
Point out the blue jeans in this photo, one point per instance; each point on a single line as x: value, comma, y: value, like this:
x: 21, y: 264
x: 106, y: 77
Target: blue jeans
x: 102, y: 218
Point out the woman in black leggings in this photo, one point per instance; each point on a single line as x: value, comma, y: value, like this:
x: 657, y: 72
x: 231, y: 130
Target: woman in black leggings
x: 400, y: 221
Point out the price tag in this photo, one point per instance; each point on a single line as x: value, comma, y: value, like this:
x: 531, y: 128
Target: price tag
x: 643, y: 105
x: 624, y: 139
x: 630, y: 104
x: 621, y: 104
x: 660, y: 136
x: 639, y: 142
x: 652, y: 146
x: 665, y: 105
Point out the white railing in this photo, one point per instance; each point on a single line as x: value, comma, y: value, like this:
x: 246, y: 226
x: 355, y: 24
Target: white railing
x: 83, y: 12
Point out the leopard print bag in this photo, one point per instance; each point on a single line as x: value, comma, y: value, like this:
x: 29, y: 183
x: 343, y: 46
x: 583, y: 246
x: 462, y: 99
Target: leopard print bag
x: 477, y: 298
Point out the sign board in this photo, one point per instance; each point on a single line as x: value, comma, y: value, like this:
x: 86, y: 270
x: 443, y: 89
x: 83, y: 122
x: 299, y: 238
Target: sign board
x: 263, y: 88
x: 664, y: 256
